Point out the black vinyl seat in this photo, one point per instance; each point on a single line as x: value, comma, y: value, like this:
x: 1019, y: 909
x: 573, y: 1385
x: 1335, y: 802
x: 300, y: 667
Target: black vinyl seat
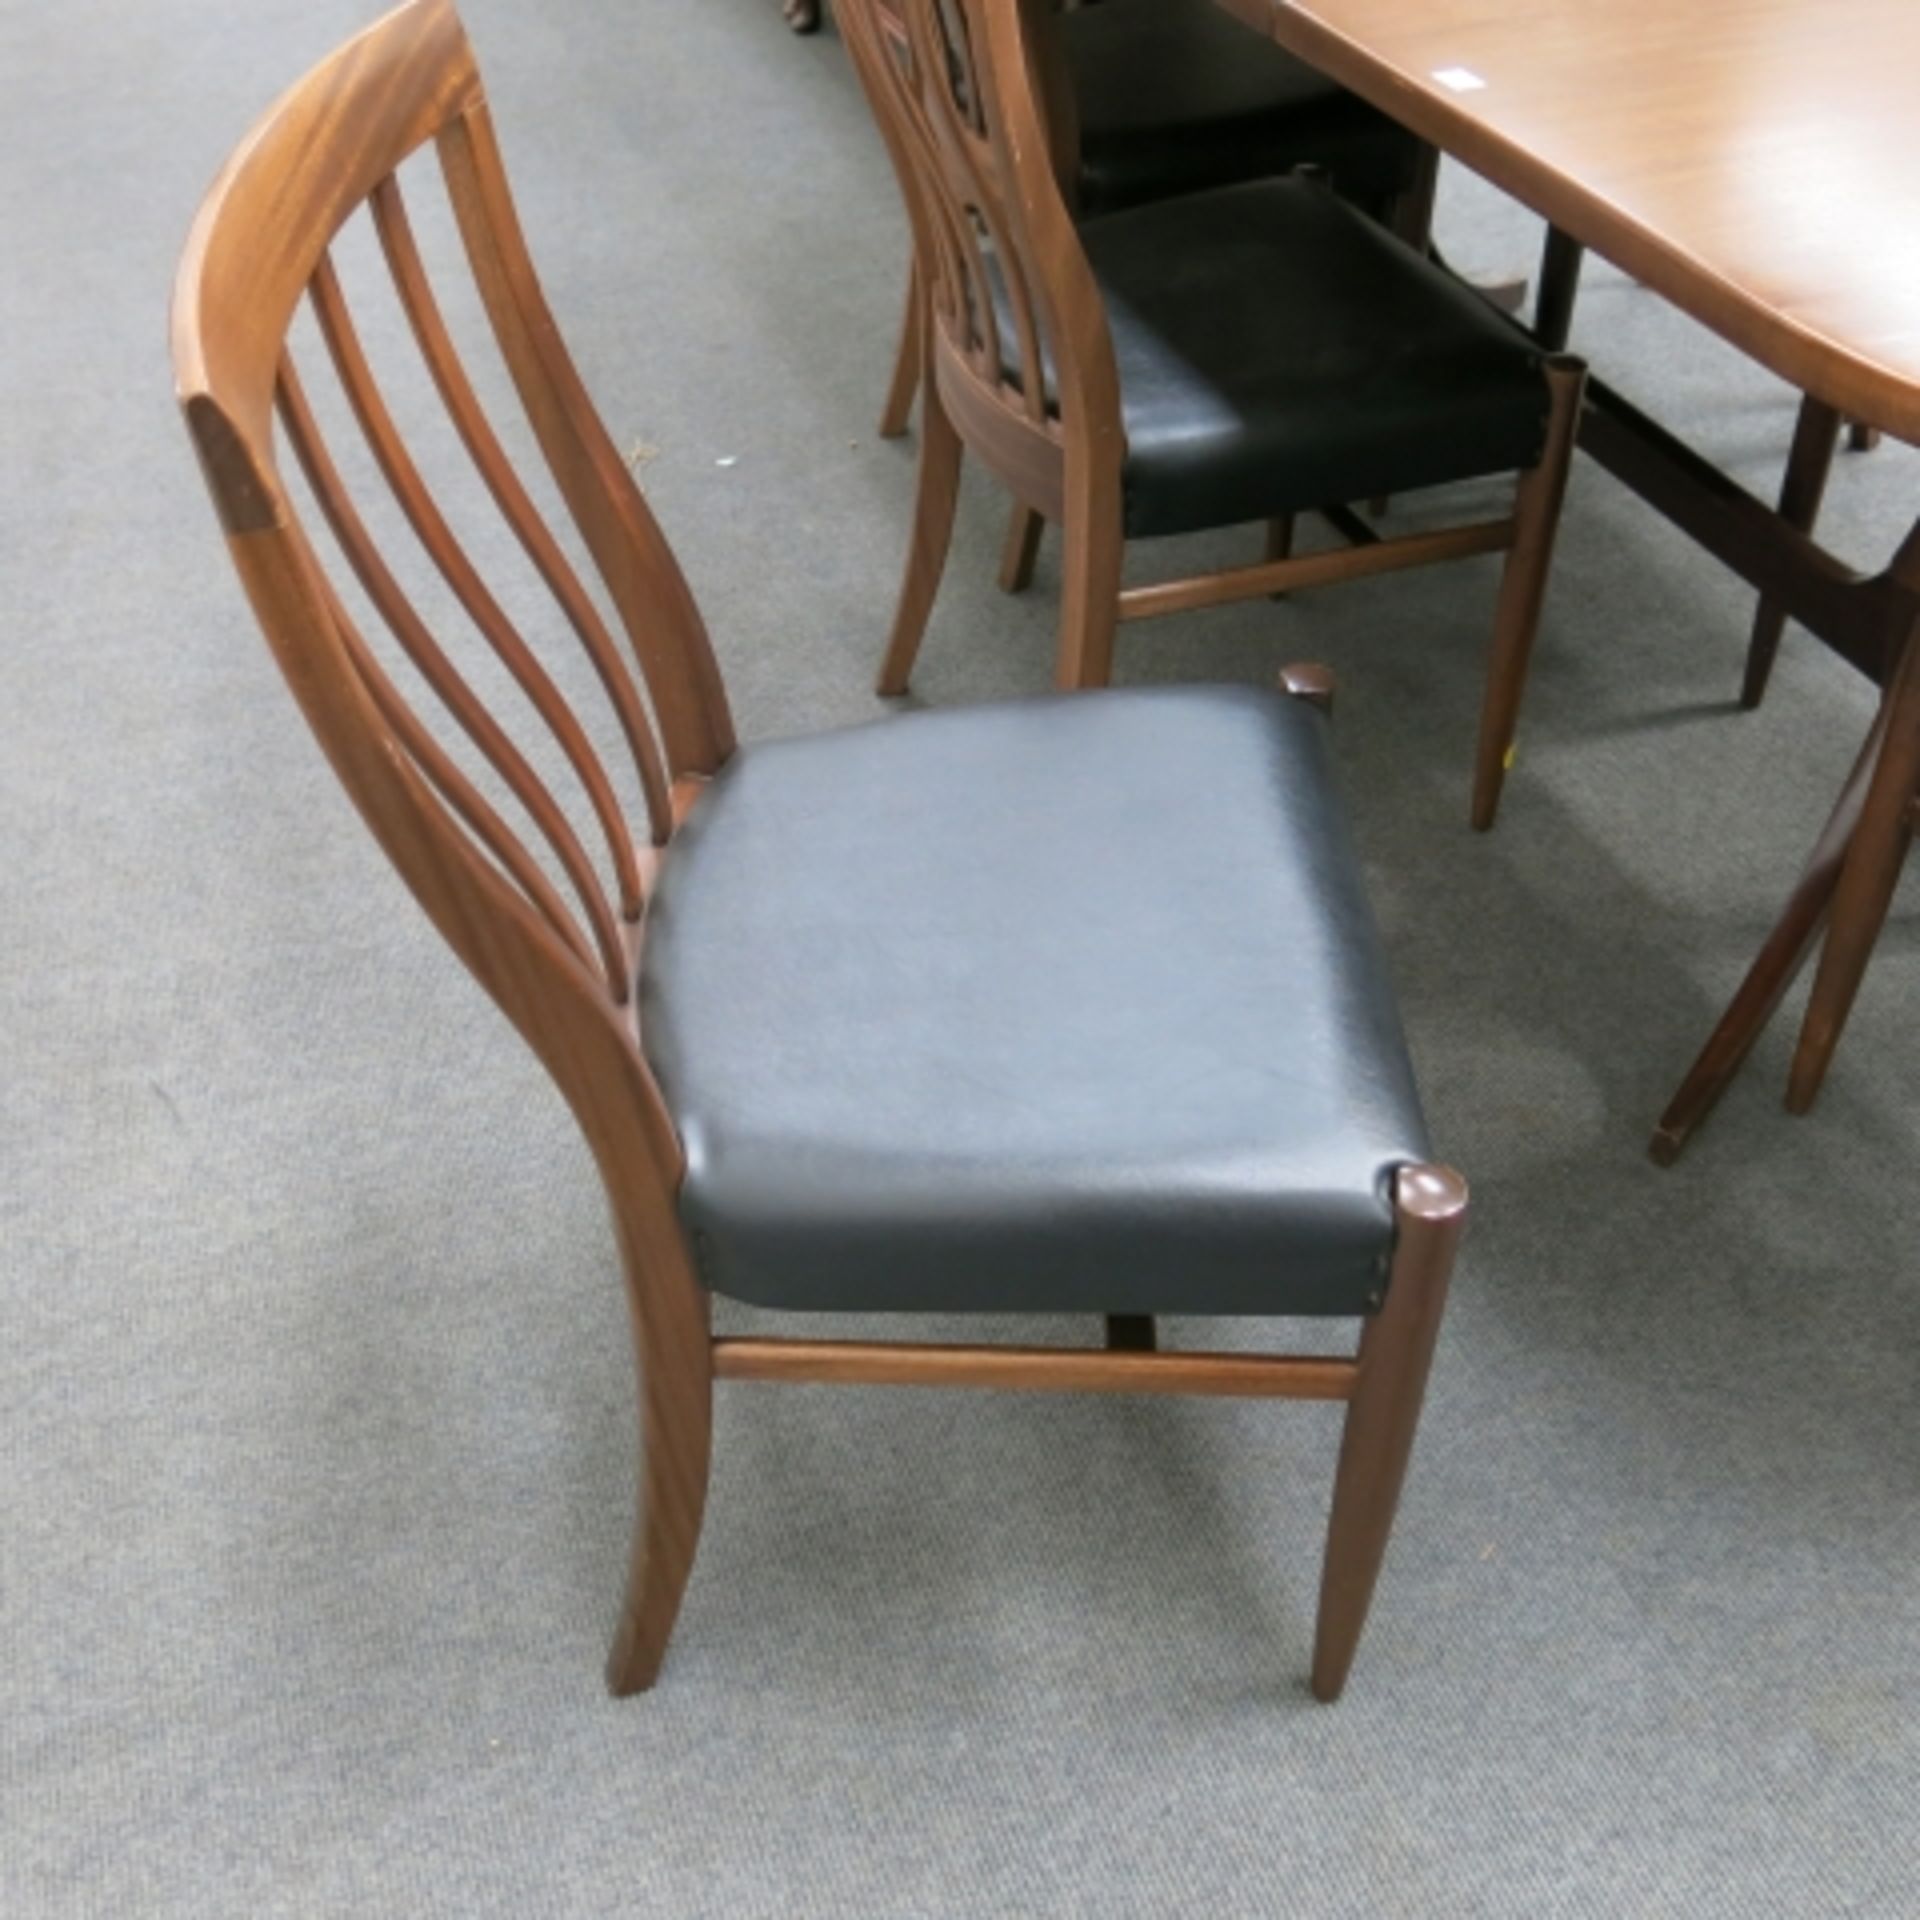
x: 861, y: 997
x: 1175, y: 95
x: 1278, y: 352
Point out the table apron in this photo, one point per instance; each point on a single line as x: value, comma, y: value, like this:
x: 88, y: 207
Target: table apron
x: 1857, y: 615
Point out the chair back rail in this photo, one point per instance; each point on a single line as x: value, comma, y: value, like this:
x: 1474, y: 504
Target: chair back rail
x: 556, y: 949
x: 972, y: 100
x: 496, y: 470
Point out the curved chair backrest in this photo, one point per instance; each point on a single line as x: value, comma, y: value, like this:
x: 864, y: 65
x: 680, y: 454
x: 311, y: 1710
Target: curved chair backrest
x: 562, y: 969
x: 973, y: 101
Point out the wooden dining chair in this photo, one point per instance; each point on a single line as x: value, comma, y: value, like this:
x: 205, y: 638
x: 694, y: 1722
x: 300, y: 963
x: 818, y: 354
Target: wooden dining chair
x: 1154, y: 98
x: 880, y: 1020
x: 1238, y: 355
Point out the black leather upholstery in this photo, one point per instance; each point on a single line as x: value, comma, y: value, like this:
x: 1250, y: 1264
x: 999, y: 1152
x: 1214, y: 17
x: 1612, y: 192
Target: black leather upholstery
x: 1069, y: 1005
x: 1174, y: 95
x: 1278, y: 351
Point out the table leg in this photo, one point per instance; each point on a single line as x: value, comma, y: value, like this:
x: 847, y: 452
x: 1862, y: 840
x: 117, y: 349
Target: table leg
x: 1849, y: 878
x: 803, y: 16
x: 1815, y: 436
x: 1875, y: 855
x: 1559, y: 283
x: 1775, y: 967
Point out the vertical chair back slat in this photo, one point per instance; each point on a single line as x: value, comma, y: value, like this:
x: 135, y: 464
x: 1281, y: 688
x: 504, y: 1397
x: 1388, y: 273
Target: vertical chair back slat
x: 943, y: 44
x: 442, y: 771
x: 911, y: 67
x: 884, y: 57
x: 511, y: 497
x: 457, y: 569
x: 948, y: 102
x: 453, y: 689
x: 641, y: 574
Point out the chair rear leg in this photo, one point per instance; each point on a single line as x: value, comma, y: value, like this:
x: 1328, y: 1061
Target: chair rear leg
x: 933, y: 509
x: 906, y: 360
x: 1089, y: 589
x: 1396, y: 1348
x: 1523, y: 586
x: 1022, y: 549
x: 676, y: 1443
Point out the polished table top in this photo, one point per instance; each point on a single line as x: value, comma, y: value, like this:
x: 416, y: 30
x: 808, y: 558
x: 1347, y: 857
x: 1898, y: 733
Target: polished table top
x: 1756, y: 162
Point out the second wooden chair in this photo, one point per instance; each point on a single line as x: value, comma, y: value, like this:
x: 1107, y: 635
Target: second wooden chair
x: 1153, y: 98
x: 1241, y: 354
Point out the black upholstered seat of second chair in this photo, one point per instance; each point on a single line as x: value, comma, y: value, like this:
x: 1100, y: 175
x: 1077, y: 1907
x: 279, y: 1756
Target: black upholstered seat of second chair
x: 1279, y: 352
x: 1174, y: 95
x: 1073, y: 1005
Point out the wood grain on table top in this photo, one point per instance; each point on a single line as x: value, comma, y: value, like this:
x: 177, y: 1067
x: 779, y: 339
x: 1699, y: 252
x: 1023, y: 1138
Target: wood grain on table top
x: 1756, y: 162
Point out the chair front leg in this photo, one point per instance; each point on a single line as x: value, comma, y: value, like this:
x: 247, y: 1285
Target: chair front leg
x: 1091, y: 553
x: 1396, y: 1349
x: 1523, y: 586
x: 1024, y: 531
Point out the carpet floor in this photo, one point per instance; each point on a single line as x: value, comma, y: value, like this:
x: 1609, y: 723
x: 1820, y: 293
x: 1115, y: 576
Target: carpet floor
x: 315, y: 1389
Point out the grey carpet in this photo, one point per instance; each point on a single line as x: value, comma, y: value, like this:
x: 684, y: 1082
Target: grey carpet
x: 315, y: 1382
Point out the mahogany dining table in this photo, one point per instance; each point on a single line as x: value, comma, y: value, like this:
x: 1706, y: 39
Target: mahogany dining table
x: 1757, y: 164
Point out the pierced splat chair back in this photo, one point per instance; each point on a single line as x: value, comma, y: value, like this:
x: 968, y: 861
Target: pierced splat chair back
x: 975, y: 105
x: 546, y: 912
